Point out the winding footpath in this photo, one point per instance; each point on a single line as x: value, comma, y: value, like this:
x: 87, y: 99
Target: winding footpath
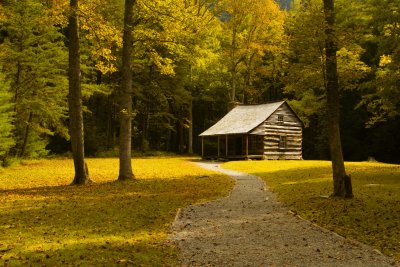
x: 251, y: 228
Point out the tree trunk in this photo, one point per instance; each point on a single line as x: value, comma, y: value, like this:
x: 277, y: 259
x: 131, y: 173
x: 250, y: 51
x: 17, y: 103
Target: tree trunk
x: 232, y: 95
x: 145, y: 127
x: 245, y: 96
x: 248, y: 85
x: 168, y: 141
x: 248, y: 81
x: 181, y: 127
x: 190, y: 132
x: 109, y: 132
x: 26, y: 135
x: 125, y: 112
x: 75, y: 99
x: 17, y: 84
x: 341, y: 182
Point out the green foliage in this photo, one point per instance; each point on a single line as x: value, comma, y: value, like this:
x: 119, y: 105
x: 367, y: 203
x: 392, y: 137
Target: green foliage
x: 305, y: 83
x: 371, y: 217
x: 179, y: 64
x: 36, y: 146
x: 306, y: 69
x: 382, y: 99
x: 11, y: 161
x: 34, y: 55
x: 6, y: 118
x: 44, y: 221
x: 188, y: 57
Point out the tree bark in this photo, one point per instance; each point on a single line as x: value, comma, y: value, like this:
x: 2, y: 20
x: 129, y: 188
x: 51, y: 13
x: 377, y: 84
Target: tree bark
x: 26, y: 135
x: 341, y: 182
x: 109, y: 123
x: 190, y: 108
x: 232, y: 95
x: 145, y: 127
x: 125, y: 112
x: 190, y: 130
x: 17, y: 84
x: 75, y: 99
x: 181, y: 145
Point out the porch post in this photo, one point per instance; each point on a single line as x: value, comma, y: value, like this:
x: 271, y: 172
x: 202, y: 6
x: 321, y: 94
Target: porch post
x: 218, y: 146
x: 247, y: 146
x: 226, y: 145
x: 202, y: 146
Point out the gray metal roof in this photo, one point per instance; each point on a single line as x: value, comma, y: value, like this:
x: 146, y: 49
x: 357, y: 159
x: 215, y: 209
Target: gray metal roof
x: 242, y: 119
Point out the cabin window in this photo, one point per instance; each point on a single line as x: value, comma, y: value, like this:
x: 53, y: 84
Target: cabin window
x: 256, y: 144
x: 282, y: 141
x: 280, y: 118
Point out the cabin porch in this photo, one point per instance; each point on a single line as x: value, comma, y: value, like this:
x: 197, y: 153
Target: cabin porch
x: 233, y: 147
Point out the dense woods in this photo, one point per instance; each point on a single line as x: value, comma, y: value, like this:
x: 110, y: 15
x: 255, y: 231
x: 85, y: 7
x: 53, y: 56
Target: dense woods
x: 190, y: 61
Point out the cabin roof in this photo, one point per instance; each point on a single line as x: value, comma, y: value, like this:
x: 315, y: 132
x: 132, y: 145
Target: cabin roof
x: 242, y: 119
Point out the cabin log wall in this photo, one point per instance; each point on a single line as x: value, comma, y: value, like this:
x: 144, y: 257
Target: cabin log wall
x: 263, y: 141
x: 291, y: 128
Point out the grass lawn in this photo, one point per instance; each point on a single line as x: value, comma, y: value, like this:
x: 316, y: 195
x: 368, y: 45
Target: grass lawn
x: 46, y: 222
x: 372, y: 217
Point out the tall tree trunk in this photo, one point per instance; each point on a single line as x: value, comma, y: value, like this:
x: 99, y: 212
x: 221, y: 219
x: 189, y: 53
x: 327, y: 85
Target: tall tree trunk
x: 232, y: 98
x: 248, y: 77
x: 125, y: 143
x: 168, y: 141
x: 247, y: 87
x: 245, y: 94
x: 341, y: 182
x: 26, y: 135
x: 75, y: 99
x: 190, y: 132
x: 14, y: 149
x: 109, y: 123
x: 145, y: 127
x: 181, y: 145
x: 17, y: 84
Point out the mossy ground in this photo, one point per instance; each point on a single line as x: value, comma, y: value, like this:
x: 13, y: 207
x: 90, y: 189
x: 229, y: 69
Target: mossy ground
x: 371, y: 217
x: 46, y: 222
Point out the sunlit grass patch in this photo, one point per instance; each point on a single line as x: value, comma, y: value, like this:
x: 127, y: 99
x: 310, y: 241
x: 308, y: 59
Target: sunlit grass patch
x: 371, y: 217
x: 44, y: 221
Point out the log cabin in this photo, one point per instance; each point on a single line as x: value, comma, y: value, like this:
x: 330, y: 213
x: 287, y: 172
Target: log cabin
x: 267, y: 131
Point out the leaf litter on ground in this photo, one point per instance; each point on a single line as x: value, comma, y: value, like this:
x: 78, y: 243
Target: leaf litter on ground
x: 44, y: 221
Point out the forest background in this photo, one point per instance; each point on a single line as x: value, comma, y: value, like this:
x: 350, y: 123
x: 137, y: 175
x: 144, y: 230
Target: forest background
x: 191, y: 61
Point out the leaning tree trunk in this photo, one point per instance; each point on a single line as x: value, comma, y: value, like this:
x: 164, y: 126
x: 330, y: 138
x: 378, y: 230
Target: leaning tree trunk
x: 125, y: 97
x: 75, y: 99
x: 341, y: 182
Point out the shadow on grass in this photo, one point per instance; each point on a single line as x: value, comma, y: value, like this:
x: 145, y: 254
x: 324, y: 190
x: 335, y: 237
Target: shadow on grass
x: 99, y: 254
x: 100, y: 223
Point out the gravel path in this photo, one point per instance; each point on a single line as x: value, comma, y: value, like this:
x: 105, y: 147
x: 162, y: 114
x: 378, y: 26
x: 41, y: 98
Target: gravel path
x: 251, y: 228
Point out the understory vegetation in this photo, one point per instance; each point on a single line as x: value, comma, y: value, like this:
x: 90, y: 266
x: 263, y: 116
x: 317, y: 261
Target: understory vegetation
x: 371, y: 217
x: 45, y: 222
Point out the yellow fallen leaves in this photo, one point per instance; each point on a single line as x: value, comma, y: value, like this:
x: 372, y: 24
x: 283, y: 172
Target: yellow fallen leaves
x: 44, y: 221
x: 371, y: 217
x: 56, y: 172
